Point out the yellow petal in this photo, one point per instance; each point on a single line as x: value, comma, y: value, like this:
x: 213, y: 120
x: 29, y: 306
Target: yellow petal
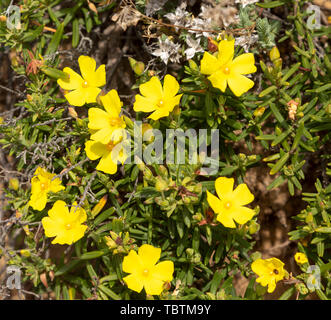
x: 132, y: 262
x: 242, y: 214
x: 94, y: 149
x: 91, y: 94
x: 152, y: 89
x: 38, y: 201
x: 134, y: 283
x: 63, y: 237
x: 55, y: 185
x: 78, y: 232
x: 164, y: 271
x: 77, y: 213
x: 209, y: 64
x: 226, y: 219
x: 100, y: 76
x: 112, y: 103
x: 244, y: 64
x: 59, y: 211
x: 52, y: 228
x: 170, y: 86
x: 144, y: 104
x: 103, y: 135
x: 76, y: 97
x: 149, y: 255
x: 259, y: 267
x: 218, y: 80
x: 153, y: 286
x: 87, y: 67
x: 98, y: 118
x: 159, y: 113
x: 225, y: 51
x: 239, y: 84
x: 242, y: 195
x: 224, y: 186
x: 170, y: 103
x: 214, y: 202
x: 271, y: 286
x: 75, y: 80
x: 106, y: 164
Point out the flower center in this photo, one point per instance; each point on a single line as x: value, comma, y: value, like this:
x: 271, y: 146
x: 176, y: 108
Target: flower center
x: 68, y: 226
x: 145, y: 272
x: 43, y: 185
x: 226, y: 70
x: 276, y: 271
x: 115, y: 122
x: 227, y: 205
x: 85, y: 84
x: 161, y: 103
x: 110, y: 145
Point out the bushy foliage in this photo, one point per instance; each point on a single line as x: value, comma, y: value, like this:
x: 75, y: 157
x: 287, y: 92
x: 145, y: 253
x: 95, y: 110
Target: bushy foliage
x: 274, y: 110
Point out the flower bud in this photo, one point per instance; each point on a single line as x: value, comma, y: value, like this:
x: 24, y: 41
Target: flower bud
x: 25, y: 253
x: 14, y: 184
x: 147, y: 132
x: 274, y: 53
x: 3, y: 18
x: 161, y: 184
x: 259, y: 112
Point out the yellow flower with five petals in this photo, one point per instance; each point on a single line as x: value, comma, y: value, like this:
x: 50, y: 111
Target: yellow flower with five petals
x: 104, y: 124
x: 157, y: 99
x: 65, y: 226
x: 110, y: 153
x: 223, y: 70
x: 270, y: 271
x: 300, y: 258
x: 229, y: 205
x: 41, y: 184
x: 144, y: 272
x: 85, y: 88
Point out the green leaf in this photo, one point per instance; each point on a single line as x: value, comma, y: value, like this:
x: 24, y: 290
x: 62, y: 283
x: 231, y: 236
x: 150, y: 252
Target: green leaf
x: 287, y: 294
x: 272, y: 4
x: 280, y: 163
x: 92, y: 255
x: 55, y: 41
x: 75, y: 33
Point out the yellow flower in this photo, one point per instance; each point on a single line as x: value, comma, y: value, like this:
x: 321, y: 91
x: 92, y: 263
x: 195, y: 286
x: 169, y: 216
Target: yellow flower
x: 105, y: 123
x: 270, y: 271
x: 230, y: 203
x: 41, y: 185
x: 83, y: 89
x: 300, y: 258
x: 65, y: 226
x: 109, y: 153
x: 144, y: 272
x: 223, y: 70
x: 155, y: 98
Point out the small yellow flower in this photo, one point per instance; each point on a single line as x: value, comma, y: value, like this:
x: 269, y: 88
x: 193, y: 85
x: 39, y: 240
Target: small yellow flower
x: 223, y: 70
x: 65, y: 226
x: 229, y: 205
x: 41, y: 185
x: 144, y: 272
x: 155, y: 98
x: 105, y: 123
x: 109, y: 153
x: 300, y: 258
x: 270, y: 271
x: 83, y: 89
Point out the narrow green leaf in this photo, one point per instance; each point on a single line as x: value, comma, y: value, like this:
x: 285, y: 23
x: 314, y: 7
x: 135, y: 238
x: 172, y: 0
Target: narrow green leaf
x: 55, y: 41
x: 280, y: 163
